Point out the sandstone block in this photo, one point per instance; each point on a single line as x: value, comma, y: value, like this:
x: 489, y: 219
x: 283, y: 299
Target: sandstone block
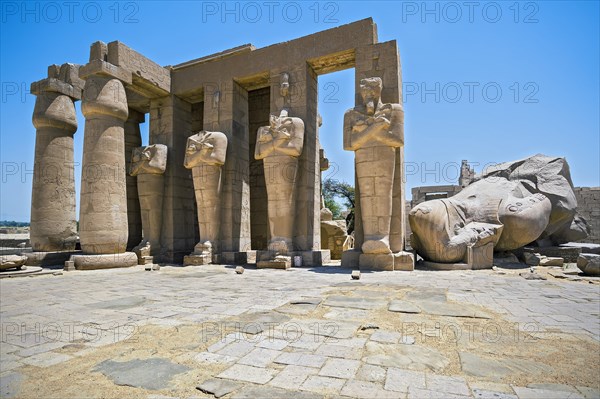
x: 109, y: 261
x: 589, y: 264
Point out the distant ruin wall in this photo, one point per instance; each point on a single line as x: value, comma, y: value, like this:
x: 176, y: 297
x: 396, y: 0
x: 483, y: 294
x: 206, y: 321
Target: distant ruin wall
x: 588, y: 206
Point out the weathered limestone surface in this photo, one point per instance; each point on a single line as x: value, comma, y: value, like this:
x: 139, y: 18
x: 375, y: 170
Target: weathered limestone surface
x: 53, y: 218
x: 104, y: 261
x: 206, y: 153
x: 148, y: 164
x: 511, y: 205
x: 279, y: 146
x: 133, y: 139
x: 103, y: 210
x: 374, y: 131
x: 589, y: 264
x: 12, y: 262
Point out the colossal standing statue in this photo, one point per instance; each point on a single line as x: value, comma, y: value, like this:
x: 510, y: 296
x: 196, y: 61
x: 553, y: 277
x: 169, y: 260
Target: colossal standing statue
x: 374, y: 131
x: 279, y: 145
x: 149, y: 165
x: 205, y: 155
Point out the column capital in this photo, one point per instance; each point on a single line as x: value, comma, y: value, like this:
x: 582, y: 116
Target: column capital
x: 62, y: 79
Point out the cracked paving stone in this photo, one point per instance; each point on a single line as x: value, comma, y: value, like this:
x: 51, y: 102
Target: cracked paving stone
x: 152, y: 374
x: 218, y: 387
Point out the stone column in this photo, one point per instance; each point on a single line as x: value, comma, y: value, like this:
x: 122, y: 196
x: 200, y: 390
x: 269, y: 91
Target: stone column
x: 53, y: 218
x: 103, y: 211
x: 133, y: 139
x: 53, y: 228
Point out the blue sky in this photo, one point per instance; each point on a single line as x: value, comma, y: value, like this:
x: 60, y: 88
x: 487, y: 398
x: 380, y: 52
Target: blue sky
x: 484, y: 81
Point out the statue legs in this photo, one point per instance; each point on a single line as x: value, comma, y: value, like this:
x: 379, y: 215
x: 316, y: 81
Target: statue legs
x: 207, y: 186
x: 150, y: 189
x: 375, y: 168
x: 280, y: 178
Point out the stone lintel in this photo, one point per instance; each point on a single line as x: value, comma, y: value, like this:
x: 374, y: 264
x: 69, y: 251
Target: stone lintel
x: 57, y: 86
x: 147, y: 75
x: 99, y: 67
x: 108, y: 261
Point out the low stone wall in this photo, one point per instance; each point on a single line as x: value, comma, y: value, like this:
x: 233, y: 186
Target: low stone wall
x: 588, y: 206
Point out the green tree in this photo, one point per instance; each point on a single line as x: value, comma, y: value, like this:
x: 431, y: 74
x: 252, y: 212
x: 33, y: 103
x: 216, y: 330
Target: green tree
x: 334, y: 190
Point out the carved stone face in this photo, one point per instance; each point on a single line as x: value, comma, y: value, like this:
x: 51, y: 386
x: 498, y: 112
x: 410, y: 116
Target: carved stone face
x: 370, y: 91
x: 149, y: 159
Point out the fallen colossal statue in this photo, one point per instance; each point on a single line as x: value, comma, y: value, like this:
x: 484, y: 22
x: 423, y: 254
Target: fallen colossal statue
x: 508, y: 206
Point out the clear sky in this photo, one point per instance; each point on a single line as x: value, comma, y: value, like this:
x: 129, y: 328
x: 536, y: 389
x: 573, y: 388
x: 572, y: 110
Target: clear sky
x: 483, y: 81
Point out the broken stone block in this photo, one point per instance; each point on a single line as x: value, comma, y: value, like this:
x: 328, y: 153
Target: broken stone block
x: 376, y: 262
x: 239, y: 270
x: 197, y: 260
x: 589, y: 264
x: 531, y: 259
x: 551, y: 261
x: 404, y: 261
x: 69, y: 266
x: 355, y: 274
x: 280, y: 262
x: 12, y: 262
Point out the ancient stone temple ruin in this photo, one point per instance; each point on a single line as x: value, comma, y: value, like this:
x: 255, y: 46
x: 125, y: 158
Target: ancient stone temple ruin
x: 232, y: 169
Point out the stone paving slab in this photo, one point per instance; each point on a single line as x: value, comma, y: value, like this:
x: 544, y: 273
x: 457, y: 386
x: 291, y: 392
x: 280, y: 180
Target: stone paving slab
x: 153, y: 374
x: 252, y: 374
x: 317, y: 351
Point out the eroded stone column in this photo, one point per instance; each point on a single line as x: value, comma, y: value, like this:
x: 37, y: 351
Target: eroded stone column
x: 205, y: 155
x: 148, y: 164
x: 53, y: 217
x: 103, y: 209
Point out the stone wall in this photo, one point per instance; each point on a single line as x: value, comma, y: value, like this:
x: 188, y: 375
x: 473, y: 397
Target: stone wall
x: 588, y: 206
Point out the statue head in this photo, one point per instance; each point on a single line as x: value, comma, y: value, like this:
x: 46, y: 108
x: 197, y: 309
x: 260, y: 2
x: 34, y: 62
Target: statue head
x: 370, y: 91
x: 150, y: 159
x: 205, y: 147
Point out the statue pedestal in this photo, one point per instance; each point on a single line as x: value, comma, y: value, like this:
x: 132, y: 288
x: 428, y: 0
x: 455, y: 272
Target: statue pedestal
x: 477, y: 258
x: 197, y: 260
x: 238, y: 258
x: 309, y: 258
x: 400, y: 261
x: 55, y: 258
x: 279, y: 262
x: 106, y: 261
